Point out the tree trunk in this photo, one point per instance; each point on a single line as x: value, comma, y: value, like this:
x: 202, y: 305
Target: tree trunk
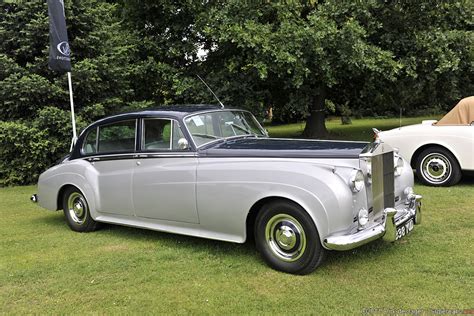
x: 315, y: 122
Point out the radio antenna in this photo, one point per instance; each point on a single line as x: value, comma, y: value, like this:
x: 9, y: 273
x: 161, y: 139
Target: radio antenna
x: 215, y: 96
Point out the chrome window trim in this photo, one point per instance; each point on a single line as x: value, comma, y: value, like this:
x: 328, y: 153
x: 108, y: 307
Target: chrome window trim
x: 171, y: 135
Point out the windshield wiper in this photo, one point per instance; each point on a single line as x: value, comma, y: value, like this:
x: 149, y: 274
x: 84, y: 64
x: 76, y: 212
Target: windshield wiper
x: 205, y: 136
x: 232, y: 125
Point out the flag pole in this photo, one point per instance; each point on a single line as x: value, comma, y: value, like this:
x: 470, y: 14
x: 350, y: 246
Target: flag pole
x: 73, y: 117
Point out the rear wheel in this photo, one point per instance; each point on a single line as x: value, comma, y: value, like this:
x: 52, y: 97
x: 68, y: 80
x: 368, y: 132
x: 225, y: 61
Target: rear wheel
x: 287, y: 238
x: 76, y: 210
x: 436, y: 166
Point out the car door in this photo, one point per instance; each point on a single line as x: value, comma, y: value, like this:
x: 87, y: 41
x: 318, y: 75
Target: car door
x: 110, y: 149
x: 164, y: 180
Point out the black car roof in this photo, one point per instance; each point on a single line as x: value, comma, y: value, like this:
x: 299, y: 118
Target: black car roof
x: 177, y: 112
x: 172, y: 111
x: 183, y: 109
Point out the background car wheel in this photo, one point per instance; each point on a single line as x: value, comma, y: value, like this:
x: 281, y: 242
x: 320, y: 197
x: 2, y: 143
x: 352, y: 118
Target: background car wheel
x: 436, y: 166
x: 77, y: 212
x: 287, y: 238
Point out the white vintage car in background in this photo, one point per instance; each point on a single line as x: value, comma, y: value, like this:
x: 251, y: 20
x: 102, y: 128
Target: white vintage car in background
x: 209, y: 172
x: 441, y: 150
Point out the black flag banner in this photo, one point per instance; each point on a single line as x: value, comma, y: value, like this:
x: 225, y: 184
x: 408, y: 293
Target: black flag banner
x: 59, y: 52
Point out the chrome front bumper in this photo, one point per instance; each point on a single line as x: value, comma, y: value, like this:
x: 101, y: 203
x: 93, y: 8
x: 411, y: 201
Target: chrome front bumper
x: 386, y: 228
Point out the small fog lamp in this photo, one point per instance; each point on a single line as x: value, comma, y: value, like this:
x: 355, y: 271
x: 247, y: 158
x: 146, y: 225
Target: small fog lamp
x: 408, y: 192
x: 363, y: 217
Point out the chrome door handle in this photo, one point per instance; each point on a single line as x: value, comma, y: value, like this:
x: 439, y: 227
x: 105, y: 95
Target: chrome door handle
x: 138, y: 163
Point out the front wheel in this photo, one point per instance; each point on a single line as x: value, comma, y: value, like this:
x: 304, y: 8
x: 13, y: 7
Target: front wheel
x: 76, y: 210
x: 287, y: 238
x: 436, y: 166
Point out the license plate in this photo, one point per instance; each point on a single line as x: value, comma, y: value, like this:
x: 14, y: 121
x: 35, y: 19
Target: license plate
x: 404, y: 229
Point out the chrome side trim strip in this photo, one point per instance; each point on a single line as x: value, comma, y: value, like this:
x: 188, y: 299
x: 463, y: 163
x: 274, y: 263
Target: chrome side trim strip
x: 146, y: 155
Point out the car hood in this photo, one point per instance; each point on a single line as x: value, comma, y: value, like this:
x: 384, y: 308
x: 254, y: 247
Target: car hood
x: 286, y: 148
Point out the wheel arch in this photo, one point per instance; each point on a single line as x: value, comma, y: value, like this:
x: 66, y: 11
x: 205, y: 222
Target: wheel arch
x: 89, y: 197
x: 417, y: 153
x: 60, y: 196
x: 257, y: 206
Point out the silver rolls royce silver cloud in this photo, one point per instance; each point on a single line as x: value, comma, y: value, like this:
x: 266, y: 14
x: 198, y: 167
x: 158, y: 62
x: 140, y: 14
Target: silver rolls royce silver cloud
x: 210, y: 172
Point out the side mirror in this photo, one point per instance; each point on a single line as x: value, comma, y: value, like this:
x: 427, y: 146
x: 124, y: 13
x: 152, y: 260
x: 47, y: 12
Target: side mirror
x: 183, y: 144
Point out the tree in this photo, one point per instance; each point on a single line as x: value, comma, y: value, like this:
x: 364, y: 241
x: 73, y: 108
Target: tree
x: 369, y: 58
x: 34, y: 107
x: 102, y: 59
x: 433, y: 43
x: 302, y: 49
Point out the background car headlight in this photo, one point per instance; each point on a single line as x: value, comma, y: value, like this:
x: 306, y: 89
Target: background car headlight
x: 356, y: 181
x: 397, y: 165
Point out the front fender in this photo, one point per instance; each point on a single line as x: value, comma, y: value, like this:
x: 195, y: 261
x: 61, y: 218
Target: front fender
x: 239, y: 184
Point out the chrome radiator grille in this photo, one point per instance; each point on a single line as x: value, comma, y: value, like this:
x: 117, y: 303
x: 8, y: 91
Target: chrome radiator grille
x: 383, y: 185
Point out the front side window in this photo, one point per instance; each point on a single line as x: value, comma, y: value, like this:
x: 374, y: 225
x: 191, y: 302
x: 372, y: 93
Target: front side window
x: 117, y: 137
x: 161, y: 134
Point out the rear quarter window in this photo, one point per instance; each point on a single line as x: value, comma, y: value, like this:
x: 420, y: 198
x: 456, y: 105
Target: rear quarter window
x: 117, y: 137
x: 90, y: 143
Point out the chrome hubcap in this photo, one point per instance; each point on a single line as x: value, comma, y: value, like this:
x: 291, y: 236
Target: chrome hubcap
x: 77, y: 208
x: 285, y: 237
x: 436, y: 168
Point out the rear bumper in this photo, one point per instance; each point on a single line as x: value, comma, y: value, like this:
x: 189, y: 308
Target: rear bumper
x: 387, y: 228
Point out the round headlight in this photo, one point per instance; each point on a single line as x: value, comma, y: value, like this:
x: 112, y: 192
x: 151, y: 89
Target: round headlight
x: 356, y: 181
x: 397, y: 165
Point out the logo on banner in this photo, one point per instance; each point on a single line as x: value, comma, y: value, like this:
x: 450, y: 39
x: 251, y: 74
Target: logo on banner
x: 63, y: 48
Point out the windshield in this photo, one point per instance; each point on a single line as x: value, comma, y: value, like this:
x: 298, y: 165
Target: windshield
x: 207, y: 127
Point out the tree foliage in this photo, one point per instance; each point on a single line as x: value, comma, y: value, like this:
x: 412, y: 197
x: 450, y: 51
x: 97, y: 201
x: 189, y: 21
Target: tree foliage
x: 303, y: 59
x: 102, y: 59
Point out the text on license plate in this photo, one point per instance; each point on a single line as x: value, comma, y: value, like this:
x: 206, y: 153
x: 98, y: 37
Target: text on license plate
x: 404, y: 229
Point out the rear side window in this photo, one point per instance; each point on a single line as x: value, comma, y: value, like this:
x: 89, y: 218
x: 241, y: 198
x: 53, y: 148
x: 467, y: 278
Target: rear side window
x: 117, y: 137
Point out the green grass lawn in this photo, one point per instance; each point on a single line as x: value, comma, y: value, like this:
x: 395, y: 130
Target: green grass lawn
x: 360, y: 129
x: 47, y: 268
